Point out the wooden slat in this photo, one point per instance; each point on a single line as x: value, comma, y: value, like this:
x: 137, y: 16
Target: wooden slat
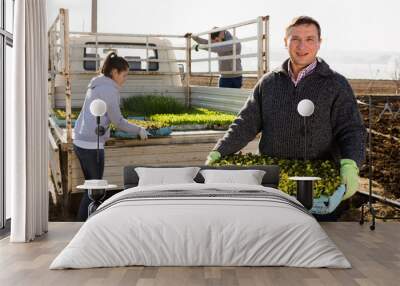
x: 178, y: 154
x: 185, y: 149
x: 114, y: 176
x: 54, y: 164
x: 140, y: 85
x: 57, y: 131
x: 52, y: 143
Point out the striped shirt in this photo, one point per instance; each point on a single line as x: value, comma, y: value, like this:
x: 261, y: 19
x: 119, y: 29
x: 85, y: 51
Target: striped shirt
x: 303, y: 73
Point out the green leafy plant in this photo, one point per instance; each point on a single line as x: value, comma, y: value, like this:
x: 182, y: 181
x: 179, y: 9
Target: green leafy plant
x: 149, y: 125
x: 61, y: 114
x: 150, y: 104
x: 210, y: 119
x: 165, y: 111
x: 169, y: 111
x: 326, y: 170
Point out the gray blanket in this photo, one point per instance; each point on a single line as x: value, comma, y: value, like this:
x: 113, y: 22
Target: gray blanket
x: 205, y: 194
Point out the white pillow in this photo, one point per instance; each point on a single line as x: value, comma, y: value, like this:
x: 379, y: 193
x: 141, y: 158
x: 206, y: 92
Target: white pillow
x: 249, y: 177
x: 166, y: 176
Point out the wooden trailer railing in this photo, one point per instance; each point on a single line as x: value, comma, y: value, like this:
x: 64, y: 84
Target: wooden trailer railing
x: 189, y: 148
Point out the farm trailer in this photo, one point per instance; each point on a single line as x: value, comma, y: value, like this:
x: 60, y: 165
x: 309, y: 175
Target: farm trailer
x: 75, y: 57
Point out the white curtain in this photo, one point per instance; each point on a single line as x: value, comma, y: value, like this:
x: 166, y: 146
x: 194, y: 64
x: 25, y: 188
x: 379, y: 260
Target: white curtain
x: 26, y: 123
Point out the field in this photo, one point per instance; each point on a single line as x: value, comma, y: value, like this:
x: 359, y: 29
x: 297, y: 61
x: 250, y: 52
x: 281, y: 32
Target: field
x: 360, y: 86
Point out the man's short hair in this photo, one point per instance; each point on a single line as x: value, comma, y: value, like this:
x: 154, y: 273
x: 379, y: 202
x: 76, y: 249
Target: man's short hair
x: 304, y: 20
x: 215, y: 34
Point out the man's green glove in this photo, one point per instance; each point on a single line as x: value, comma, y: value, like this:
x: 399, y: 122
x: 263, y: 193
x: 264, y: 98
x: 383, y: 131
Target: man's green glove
x: 349, y: 177
x: 212, y: 157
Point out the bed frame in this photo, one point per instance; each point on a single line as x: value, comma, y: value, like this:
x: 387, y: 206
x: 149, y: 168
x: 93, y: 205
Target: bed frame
x: 270, y: 179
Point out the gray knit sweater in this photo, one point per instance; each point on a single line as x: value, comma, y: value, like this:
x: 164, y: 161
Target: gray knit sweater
x: 335, y: 130
x: 225, y: 50
x: 101, y: 87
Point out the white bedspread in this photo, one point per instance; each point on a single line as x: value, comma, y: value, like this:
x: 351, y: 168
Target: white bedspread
x: 183, y: 231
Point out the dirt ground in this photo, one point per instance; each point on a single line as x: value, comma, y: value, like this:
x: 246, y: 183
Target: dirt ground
x: 360, y: 86
x: 354, y: 212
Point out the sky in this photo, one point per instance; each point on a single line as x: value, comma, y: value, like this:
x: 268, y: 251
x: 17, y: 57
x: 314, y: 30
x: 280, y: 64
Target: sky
x: 365, y: 29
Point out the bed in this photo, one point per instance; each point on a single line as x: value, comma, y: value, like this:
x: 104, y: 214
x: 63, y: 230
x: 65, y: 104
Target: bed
x: 198, y: 224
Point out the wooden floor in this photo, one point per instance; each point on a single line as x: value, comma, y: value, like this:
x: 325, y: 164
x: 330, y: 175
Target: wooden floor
x: 375, y: 256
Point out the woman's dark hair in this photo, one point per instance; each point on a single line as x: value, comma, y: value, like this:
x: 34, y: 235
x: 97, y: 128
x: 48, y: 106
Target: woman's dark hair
x: 215, y: 34
x: 114, y: 62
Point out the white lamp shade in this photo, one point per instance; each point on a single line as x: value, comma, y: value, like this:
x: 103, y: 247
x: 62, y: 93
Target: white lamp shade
x: 305, y: 107
x: 98, y: 107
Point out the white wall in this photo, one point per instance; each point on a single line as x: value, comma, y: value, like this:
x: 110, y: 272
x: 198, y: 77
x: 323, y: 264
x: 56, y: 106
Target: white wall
x: 8, y: 74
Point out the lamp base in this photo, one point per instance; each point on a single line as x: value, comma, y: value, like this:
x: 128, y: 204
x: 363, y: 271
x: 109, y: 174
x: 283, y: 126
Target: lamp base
x: 305, y: 193
x: 96, y: 196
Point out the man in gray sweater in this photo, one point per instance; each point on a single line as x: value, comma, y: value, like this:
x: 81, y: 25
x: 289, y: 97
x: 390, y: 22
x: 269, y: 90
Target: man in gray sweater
x: 228, y: 78
x: 335, y: 130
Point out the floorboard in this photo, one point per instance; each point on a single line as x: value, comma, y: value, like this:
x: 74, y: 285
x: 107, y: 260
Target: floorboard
x: 374, y: 255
